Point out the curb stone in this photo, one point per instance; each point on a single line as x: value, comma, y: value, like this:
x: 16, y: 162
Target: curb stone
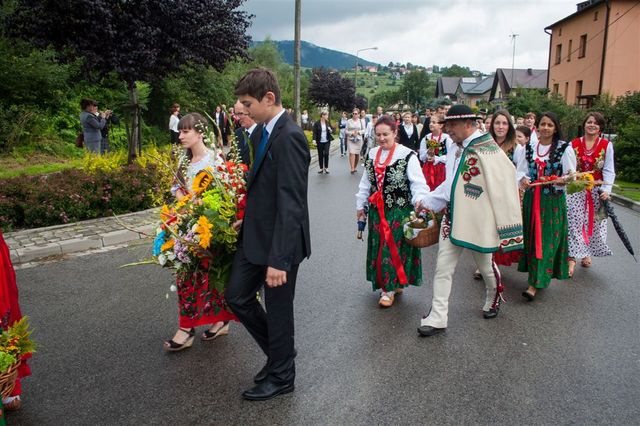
x: 626, y: 202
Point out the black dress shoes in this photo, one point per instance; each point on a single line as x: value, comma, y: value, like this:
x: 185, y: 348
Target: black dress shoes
x: 267, y: 390
x: 491, y: 313
x: 427, y: 330
x: 262, y: 374
x: 528, y: 296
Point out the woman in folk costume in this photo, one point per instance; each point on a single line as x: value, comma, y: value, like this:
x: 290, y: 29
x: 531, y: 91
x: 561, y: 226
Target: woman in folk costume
x: 198, y: 305
x: 546, y: 248
x: 587, y: 234
x: 434, y: 158
x: 10, y: 314
x: 391, y: 185
x: 482, y: 214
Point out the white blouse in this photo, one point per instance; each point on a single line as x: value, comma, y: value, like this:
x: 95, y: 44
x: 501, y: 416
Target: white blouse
x: 422, y: 151
x: 210, y: 159
x: 569, y: 162
x: 417, y: 182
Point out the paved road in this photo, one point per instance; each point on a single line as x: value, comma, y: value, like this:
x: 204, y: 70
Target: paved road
x: 571, y: 357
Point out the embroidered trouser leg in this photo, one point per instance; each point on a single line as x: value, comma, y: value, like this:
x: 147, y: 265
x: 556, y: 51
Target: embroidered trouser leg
x: 448, y: 255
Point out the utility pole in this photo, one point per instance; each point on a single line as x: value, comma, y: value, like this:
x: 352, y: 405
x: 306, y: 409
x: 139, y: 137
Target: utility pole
x: 355, y: 73
x: 513, y: 58
x: 296, y: 63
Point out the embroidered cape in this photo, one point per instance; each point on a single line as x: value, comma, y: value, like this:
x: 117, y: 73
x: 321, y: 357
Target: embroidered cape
x: 485, y: 204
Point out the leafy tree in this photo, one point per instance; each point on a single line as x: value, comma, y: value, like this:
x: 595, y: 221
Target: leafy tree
x: 456, y: 71
x: 415, y: 86
x: 360, y: 102
x: 330, y: 88
x: 142, y: 40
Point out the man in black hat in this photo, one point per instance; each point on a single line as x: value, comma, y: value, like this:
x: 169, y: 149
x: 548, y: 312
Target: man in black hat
x: 482, y: 213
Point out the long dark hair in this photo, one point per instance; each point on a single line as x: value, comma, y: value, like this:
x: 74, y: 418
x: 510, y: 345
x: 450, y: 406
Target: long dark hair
x: 557, y: 135
x: 510, y: 139
x: 193, y: 121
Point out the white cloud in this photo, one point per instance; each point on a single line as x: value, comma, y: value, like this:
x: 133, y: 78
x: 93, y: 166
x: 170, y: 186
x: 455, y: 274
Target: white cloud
x: 471, y: 33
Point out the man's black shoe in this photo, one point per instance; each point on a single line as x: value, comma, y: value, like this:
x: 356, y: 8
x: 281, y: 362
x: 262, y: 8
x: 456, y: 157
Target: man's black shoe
x: 267, y: 390
x: 427, y: 330
x: 262, y: 374
x: 491, y: 313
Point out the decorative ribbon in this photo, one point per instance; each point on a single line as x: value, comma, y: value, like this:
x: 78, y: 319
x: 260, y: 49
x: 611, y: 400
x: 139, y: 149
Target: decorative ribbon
x: 536, y: 220
x: 386, y: 237
x: 587, y: 230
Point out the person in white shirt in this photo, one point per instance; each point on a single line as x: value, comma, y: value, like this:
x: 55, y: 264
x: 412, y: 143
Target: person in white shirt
x: 174, y: 119
x: 434, y: 158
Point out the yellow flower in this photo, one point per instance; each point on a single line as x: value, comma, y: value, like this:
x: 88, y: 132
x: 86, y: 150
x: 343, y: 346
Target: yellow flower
x: 167, y: 245
x: 204, y: 230
x: 180, y: 204
x: 202, y: 181
x: 589, y: 178
x: 166, y: 213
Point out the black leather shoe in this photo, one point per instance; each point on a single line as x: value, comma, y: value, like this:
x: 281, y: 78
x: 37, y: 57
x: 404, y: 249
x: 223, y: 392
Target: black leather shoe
x: 491, y: 313
x: 267, y: 390
x: 528, y: 296
x: 428, y: 331
x: 262, y: 374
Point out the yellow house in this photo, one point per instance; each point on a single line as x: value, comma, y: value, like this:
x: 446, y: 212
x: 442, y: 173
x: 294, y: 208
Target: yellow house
x: 596, y: 50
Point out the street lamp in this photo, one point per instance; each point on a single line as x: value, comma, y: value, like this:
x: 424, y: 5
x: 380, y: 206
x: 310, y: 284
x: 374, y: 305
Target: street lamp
x: 355, y: 74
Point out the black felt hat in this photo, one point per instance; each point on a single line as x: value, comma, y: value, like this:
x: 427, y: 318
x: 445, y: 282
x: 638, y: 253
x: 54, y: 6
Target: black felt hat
x: 460, y: 112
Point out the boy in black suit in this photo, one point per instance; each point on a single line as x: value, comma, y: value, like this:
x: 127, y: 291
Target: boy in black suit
x: 274, y: 236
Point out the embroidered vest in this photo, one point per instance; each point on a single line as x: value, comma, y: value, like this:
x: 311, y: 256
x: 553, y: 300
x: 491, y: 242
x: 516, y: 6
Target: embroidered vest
x: 396, y: 187
x: 590, y: 161
x: 553, y: 167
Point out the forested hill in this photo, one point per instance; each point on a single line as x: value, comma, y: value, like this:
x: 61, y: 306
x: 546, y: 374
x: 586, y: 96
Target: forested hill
x: 313, y: 56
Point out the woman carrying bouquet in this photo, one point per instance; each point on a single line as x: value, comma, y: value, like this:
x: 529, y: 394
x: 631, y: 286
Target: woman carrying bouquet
x: 391, y: 185
x: 544, y: 206
x: 10, y: 314
x: 587, y: 234
x: 198, y: 305
x: 433, y: 153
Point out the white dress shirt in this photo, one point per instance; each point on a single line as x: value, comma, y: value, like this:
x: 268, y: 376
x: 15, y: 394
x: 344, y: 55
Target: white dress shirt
x: 569, y: 162
x: 422, y: 151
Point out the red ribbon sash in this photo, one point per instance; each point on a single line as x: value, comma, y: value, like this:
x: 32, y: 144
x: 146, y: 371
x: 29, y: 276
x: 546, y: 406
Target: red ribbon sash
x: 386, y: 237
x: 536, y: 220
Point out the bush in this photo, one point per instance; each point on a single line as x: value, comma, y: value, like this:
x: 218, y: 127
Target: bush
x: 627, y: 152
x: 76, y: 195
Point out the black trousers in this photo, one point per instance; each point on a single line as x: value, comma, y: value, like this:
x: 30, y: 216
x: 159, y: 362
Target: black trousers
x: 273, y: 330
x: 323, y: 154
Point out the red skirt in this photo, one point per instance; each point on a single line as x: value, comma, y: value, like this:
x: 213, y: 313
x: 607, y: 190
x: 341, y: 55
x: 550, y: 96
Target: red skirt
x: 9, y: 307
x: 506, y: 259
x: 198, y: 305
x: 435, y: 174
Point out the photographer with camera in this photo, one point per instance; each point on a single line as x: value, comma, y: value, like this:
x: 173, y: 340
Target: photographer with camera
x: 92, y: 124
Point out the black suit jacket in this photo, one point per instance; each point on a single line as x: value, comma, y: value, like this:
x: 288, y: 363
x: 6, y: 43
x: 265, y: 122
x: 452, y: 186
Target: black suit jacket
x: 317, y: 132
x: 243, y: 145
x: 410, y: 142
x: 275, y: 230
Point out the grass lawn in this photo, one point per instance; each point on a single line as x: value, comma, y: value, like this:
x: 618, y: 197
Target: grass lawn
x: 628, y: 189
x: 35, y: 164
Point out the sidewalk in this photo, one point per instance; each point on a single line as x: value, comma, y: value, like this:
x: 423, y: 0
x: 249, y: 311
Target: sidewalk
x: 39, y: 243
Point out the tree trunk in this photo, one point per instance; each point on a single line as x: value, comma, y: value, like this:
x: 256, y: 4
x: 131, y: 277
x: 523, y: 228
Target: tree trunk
x: 296, y: 63
x: 134, y: 135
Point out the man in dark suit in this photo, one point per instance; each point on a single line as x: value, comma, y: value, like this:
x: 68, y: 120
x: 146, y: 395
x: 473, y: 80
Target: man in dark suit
x: 274, y: 236
x: 222, y: 121
x: 243, y: 133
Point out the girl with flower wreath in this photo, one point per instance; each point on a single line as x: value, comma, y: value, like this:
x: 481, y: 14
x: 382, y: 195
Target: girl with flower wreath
x: 390, y: 187
x: 587, y: 233
x: 198, y: 304
x: 433, y: 153
x: 544, y: 206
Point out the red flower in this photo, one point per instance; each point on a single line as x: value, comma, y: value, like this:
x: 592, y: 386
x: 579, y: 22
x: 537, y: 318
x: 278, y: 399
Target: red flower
x: 466, y: 176
x: 472, y: 161
x: 474, y: 171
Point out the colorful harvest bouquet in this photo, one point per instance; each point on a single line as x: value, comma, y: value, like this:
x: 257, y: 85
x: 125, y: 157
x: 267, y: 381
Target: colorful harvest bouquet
x: 15, y: 342
x: 196, y: 233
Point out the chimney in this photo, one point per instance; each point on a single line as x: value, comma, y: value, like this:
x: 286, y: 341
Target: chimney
x: 529, y: 71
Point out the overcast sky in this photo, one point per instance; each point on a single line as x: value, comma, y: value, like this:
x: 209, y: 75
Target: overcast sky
x: 473, y: 33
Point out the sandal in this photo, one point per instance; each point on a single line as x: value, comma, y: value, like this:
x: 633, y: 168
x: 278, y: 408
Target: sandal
x: 586, y: 262
x: 572, y: 266
x: 210, y: 335
x: 172, y: 346
x: 13, y: 403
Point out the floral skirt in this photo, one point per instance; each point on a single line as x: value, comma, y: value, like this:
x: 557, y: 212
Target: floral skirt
x: 555, y: 247
x: 198, y: 305
x: 411, y: 257
x: 434, y: 174
x: 578, y: 215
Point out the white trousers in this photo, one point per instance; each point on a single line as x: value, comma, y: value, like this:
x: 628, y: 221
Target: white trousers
x: 448, y: 255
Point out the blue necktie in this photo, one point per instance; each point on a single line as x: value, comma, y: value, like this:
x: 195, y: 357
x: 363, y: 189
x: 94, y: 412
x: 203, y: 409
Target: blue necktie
x: 261, y: 149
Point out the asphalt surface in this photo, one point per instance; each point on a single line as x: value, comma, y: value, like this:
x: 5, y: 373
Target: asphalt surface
x: 570, y: 357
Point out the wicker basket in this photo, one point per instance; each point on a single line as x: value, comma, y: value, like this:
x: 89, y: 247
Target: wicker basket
x: 428, y: 236
x: 8, y: 380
